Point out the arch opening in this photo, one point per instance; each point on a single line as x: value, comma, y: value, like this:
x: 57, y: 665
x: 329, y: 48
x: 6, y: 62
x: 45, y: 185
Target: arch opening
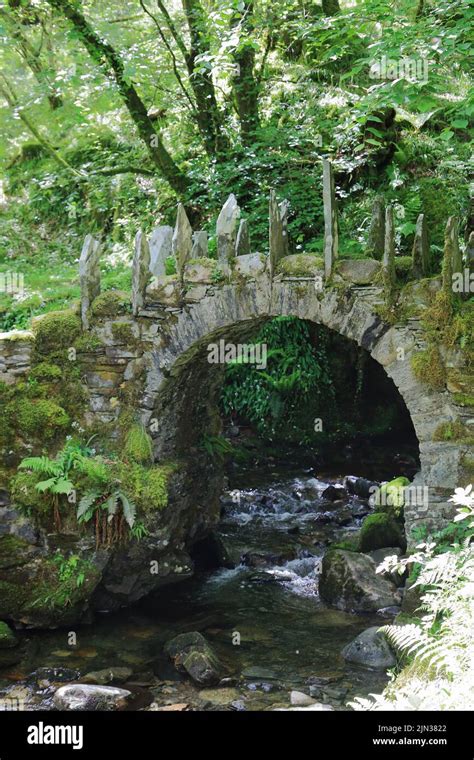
x: 351, y: 420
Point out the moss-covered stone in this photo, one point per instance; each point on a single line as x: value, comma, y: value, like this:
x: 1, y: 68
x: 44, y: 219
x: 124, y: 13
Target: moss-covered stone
x: 14, y: 551
x: 390, y: 497
x: 403, y: 268
x: 122, y: 332
x: 348, y: 544
x: 24, y: 494
x: 8, y: 639
x: 111, y: 303
x: 300, y: 265
x: 42, y: 418
x: 454, y: 430
x: 380, y: 530
x: 56, y: 332
x: 41, y: 594
x: 428, y: 367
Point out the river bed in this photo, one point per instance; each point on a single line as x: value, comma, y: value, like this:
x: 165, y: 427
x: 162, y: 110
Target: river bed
x: 261, y: 613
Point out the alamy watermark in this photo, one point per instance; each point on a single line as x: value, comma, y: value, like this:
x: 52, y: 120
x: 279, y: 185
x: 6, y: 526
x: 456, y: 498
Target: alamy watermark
x: 407, y: 496
x: 463, y: 282
x: 243, y: 353
x: 12, y: 283
x: 412, y: 69
x: 12, y: 704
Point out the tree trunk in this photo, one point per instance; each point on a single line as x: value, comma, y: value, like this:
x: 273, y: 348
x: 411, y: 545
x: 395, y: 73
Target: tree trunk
x: 244, y: 84
x: 330, y: 7
x: 31, y: 58
x: 109, y: 60
x: 208, y: 115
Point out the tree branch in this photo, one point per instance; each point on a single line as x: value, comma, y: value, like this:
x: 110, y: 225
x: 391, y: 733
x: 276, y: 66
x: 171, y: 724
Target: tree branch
x: 109, y: 60
x: 173, y: 57
x: 10, y: 96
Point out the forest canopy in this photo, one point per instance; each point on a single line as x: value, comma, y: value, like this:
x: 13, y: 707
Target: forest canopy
x: 112, y: 112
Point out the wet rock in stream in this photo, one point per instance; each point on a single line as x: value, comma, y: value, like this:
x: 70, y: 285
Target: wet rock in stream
x: 192, y: 654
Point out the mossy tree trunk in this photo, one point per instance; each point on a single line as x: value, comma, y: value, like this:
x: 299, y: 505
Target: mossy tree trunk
x: 245, y: 85
x: 109, y: 60
x: 331, y: 7
x: 208, y: 114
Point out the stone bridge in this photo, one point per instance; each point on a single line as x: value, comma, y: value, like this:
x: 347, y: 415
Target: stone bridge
x: 149, y: 351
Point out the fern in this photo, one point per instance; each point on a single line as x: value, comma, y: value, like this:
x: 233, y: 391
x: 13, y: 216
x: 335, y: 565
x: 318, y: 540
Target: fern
x: 129, y: 509
x: 85, y: 508
x: 440, y: 650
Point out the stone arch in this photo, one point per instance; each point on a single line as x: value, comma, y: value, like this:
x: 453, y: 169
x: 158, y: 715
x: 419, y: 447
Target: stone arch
x: 231, y: 310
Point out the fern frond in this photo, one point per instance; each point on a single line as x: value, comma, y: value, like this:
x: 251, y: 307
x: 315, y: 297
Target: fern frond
x: 129, y: 509
x: 85, y: 506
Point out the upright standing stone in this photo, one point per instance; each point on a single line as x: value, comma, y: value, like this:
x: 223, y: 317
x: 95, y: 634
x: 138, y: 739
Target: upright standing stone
x: 330, y: 219
x: 140, y: 271
x: 284, y: 214
x: 200, y: 245
x: 161, y: 246
x: 470, y: 253
x: 376, y: 235
x: 457, y: 253
x: 182, y: 240
x: 227, y: 231
x: 242, y: 243
x: 421, y: 248
x: 276, y: 238
x: 452, y: 259
x: 89, y: 276
x: 388, y: 260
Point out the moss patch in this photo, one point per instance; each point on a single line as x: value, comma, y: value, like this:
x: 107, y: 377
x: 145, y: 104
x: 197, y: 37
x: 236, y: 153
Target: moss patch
x: 56, y: 332
x: 138, y: 445
x: 111, y: 303
x: 123, y: 333
x: 379, y: 531
x: 14, y: 551
x: 7, y: 637
x: 451, y: 431
x: 428, y: 368
x: 41, y: 418
x: 300, y: 265
x: 146, y: 486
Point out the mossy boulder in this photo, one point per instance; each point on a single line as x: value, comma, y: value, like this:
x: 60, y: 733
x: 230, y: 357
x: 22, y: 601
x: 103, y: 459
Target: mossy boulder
x: 14, y: 551
x: 359, y: 271
x: 349, y: 582
x: 390, y: 497
x: 192, y: 654
x: 56, y: 332
x: 300, y: 265
x: 8, y: 639
x: 380, y: 530
x: 111, y: 303
x: 39, y: 595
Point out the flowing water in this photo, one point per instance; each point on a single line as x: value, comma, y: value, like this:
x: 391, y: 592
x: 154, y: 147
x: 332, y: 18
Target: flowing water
x: 261, y: 613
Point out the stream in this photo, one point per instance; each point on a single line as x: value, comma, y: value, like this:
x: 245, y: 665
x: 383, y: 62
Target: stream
x: 261, y: 613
